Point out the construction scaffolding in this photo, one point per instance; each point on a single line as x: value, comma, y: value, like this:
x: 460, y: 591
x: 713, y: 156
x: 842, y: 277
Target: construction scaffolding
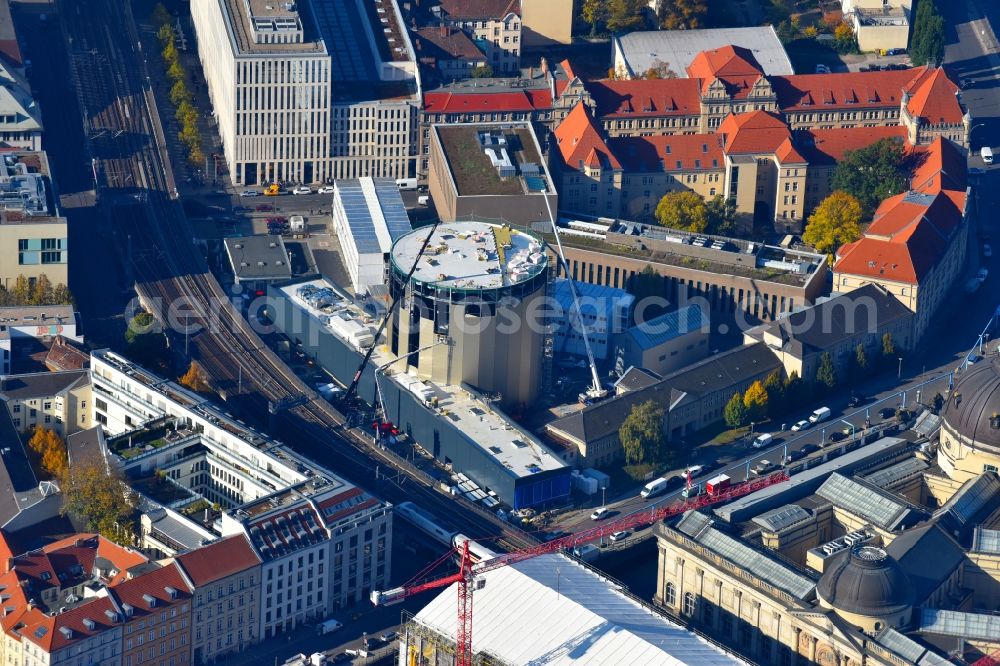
x: 420, y: 645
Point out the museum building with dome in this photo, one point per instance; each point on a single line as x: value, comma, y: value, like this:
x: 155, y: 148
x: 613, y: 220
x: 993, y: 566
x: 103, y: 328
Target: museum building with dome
x: 970, y: 422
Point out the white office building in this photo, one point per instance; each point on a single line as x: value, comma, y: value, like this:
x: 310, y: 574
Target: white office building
x: 368, y: 216
x: 309, y: 91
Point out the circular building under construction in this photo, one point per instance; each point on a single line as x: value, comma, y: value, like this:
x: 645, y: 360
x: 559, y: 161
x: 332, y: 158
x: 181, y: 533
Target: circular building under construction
x: 471, y: 311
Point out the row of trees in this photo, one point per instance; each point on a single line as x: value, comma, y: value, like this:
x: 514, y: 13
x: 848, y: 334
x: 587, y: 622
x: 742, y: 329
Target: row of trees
x: 180, y: 96
x: 688, y: 211
x: 927, y: 43
x: 777, y: 396
x: 42, y: 292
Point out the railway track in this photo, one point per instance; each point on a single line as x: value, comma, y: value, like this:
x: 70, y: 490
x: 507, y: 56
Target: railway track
x: 136, y: 179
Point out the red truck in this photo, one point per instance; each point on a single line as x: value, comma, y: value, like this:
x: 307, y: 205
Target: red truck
x: 717, y: 484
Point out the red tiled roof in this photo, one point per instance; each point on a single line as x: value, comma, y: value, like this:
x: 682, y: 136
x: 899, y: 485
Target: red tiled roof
x: 640, y: 98
x: 63, y: 356
x: 580, y: 143
x: 218, y: 560
x: 153, y: 583
x: 787, y: 153
x: 934, y: 100
x: 733, y: 65
x: 753, y: 133
x: 679, y: 152
x: 522, y: 100
x: 567, y: 67
x: 853, y: 90
x: 461, y: 9
x: 828, y: 146
x: 288, y: 531
x: 911, y: 231
x: 50, y: 627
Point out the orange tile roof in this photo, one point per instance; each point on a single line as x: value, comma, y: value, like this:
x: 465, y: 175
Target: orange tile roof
x: 678, y: 152
x: 46, y: 631
x: 753, y: 133
x: 152, y: 583
x: 218, y: 560
x: 733, y: 65
x: 933, y: 99
x: 829, y: 146
x: 580, y: 143
x: 911, y: 231
x: 787, y: 153
x: 641, y: 98
x: 847, y: 90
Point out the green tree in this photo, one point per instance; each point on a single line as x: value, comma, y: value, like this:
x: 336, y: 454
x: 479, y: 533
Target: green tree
x: 165, y: 34
x: 684, y: 211
x: 22, y: 291
x: 594, y: 12
x: 775, y: 388
x: 169, y: 53
x: 843, y: 39
x: 482, y: 72
x: 836, y: 220
x: 735, y: 411
x: 195, y: 379
x: 196, y: 156
x: 179, y: 93
x: 860, y: 361
x: 826, y: 373
x: 927, y: 41
x: 101, y: 498
x: 721, y: 215
x: 50, y: 451
x: 41, y: 293
x: 755, y: 401
x: 796, y: 391
x: 145, y: 341
x: 160, y: 15
x: 175, y: 71
x: 641, y: 434
x: 625, y: 15
x: 683, y: 14
x: 872, y: 174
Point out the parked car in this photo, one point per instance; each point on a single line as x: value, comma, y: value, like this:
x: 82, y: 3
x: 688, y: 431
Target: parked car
x: 302, y: 189
x: 982, y: 274
x: 694, y: 470
x: 794, y: 456
x: 249, y: 193
x: 892, y: 52
x: 326, y: 189
x: 343, y: 657
x: 837, y: 436
x: 856, y: 400
x: 600, y: 513
x: 887, y: 412
x: 764, y: 467
x: 389, y: 636
x: 809, y: 449
x: 619, y: 536
x: 801, y: 425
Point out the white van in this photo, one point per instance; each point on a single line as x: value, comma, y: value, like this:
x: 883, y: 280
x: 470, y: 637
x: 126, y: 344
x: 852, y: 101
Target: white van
x: 762, y: 440
x: 653, y: 488
x: 821, y: 414
x: 987, y: 154
x: 406, y: 183
x: 328, y: 626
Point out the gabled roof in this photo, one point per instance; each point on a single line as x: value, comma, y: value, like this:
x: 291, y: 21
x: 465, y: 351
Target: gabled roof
x: 853, y: 90
x: 580, y: 143
x: 137, y: 591
x: 928, y: 555
x: 753, y: 133
x: 829, y: 146
x: 676, y: 152
x: 640, y: 98
x: 520, y: 100
x: 445, y: 43
x: 218, y: 560
x: 933, y: 99
x: 943, y: 167
x: 480, y: 9
x: 733, y: 65
x: 55, y: 632
x: 40, y: 384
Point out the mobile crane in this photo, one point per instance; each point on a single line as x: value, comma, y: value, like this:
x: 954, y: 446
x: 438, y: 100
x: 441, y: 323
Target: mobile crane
x: 468, y: 570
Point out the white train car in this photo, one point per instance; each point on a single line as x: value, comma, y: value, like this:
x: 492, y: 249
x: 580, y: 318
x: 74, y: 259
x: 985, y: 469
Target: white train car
x: 425, y: 522
x: 477, y: 551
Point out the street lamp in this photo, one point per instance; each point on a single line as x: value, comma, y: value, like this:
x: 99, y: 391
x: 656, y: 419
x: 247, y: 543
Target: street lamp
x: 899, y: 372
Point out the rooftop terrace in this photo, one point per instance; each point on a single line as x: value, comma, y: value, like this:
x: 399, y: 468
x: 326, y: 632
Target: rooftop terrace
x: 509, y: 164
x: 471, y: 255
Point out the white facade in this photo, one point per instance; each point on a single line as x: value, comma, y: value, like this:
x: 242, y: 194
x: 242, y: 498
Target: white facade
x: 285, y: 111
x: 368, y: 217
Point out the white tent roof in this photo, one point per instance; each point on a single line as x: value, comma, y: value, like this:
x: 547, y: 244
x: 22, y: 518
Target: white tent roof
x: 553, y: 610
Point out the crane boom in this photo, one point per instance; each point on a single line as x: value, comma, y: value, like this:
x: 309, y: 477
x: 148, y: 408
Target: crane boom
x: 468, y: 570
x: 385, y: 320
x: 992, y: 659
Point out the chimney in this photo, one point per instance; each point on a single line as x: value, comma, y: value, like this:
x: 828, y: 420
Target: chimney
x: 443, y: 30
x: 545, y: 67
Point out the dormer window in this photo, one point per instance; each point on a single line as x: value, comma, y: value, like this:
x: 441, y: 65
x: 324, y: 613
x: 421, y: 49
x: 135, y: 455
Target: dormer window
x: 171, y: 592
x: 128, y: 610
x: 995, y: 421
x: 90, y: 624
x: 149, y: 599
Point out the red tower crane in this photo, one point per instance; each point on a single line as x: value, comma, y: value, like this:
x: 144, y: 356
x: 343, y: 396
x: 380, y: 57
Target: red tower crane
x: 468, y: 570
x: 989, y: 660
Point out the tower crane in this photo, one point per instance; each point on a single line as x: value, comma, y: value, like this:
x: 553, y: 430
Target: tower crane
x: 468, y: 571
x: 992, y: 659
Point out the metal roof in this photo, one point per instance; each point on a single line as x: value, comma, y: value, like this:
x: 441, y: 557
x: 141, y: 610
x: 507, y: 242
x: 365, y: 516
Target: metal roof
x: 699, y: 528
x: 865, y: 501
x: 779, y: 519
x: 968, y: 626
x: 374, y: 210
x: 258, y: 257
x: 972, y: 497
x: 677, y: 48
x: 904, y: 469
x: 909, y: 649
x: 553, y: 610
x: 658, y: 330
x: 986, y: 541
